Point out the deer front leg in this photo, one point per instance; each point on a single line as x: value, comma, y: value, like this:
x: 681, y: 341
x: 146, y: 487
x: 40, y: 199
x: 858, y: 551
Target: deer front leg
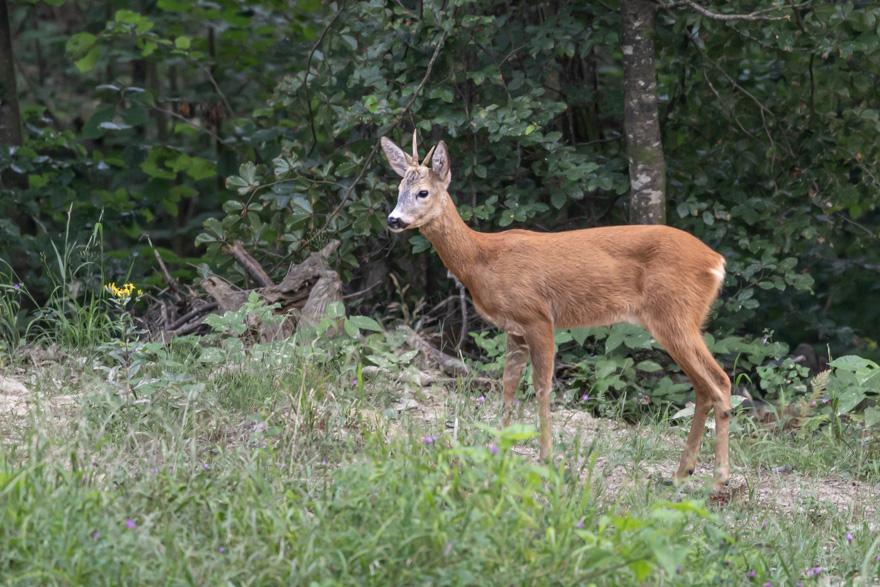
x: 539, y: 337
x: 517, y: 350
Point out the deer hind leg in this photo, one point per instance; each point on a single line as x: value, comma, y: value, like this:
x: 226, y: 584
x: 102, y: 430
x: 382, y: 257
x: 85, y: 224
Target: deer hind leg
x: 517, y: 354
x: 712, y: 391
x: 539, y: 338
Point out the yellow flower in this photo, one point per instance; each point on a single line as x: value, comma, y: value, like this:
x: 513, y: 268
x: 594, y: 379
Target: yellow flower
x: 121, y: 292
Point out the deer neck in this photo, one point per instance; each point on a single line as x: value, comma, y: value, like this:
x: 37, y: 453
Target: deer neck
x: 454, y: 241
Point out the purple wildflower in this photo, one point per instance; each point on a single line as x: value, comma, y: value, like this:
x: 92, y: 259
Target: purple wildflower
x: 586, y: 397
x: 16, y: 285
x: 323, y: 461
x: 481, y: 399
x: 130, y: 524
x: 768, y: 584
x: 354, y: 383
x: 849, y: 536
x: 430, y: 439
x: 493, y: 448
x: 222, y: 549
x: 154, y: 471
x: 96, y: 535
x: 799, y: 584
x: 764, y: 525
x: 813, y: 403
x: 764, y: 340
x: 751, y: 574
x: 824, y: 400
x: 580, y: 523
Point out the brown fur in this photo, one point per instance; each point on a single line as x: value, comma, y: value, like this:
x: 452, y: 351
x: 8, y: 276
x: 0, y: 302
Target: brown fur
x: 529, y: 283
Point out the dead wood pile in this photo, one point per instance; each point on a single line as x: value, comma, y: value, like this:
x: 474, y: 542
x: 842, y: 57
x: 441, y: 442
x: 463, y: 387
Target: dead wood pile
x: 303, y: 295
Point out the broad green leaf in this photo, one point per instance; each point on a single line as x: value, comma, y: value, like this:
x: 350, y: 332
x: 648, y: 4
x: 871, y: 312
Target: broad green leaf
x: 872, y: 417
x: 366, y: 323
x: 649, y: 366
x: 351, y: 329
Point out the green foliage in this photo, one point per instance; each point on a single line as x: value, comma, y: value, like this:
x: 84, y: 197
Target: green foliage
x: 10, y: 314
x: 768, y: 129
x: 853, y: 381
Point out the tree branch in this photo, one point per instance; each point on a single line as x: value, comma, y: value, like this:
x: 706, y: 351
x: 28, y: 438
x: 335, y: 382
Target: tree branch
x: 758, y: 15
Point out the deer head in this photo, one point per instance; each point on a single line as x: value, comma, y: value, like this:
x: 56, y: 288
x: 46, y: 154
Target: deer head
x: 421, y: 196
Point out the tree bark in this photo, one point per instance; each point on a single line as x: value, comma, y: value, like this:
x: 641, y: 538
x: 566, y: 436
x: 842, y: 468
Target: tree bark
x: 647, y: 167
x: 10, y: 118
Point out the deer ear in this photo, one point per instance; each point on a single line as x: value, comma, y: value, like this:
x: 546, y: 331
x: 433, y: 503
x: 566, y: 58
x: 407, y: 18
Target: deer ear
x: 398, y: 160
x: 440, y: 163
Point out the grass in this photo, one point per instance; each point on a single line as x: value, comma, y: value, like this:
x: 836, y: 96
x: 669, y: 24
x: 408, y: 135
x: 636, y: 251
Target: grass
x: 243, y: 474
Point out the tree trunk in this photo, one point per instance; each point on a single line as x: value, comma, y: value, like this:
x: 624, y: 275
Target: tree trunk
x: 10, y: 119
x: 647, y: 168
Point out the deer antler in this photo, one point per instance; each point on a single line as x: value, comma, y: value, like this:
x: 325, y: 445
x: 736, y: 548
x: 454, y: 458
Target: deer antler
x: 431, y: 152
x: 415, y: 154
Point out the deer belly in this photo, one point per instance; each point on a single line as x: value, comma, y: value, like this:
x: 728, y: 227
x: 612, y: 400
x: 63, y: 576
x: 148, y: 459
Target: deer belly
x: 508, y: 326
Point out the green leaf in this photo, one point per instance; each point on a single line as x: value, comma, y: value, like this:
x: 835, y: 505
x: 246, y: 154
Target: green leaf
x: 366, y: 323
x: 351, y: 329
x: 83, y: 49
x: 614, y: 340
x: 853, y: 363
x: 849, y: 399
x: 580, y: 335
x: 79, y: 45
x: 335, y: 310
x: 198, y: 168
x: 872, y: 417
x: 687, y: 412
x: 182, y: 43
x: 141, y: 23
x: 649, y: 366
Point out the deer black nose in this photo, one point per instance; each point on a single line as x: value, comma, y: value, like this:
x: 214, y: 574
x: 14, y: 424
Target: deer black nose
x: 396, y: 223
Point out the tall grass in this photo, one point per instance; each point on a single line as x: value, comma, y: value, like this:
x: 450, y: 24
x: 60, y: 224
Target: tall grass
x: 248, y: 475
x: 74, y: 313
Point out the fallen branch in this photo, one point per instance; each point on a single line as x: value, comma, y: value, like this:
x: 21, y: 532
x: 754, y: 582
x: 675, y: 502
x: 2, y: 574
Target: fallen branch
x: 249, y: 264
x: 194, y: 313
x: 449, y: 365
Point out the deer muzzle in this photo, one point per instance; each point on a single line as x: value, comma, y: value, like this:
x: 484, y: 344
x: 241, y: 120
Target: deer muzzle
x: 396, y: 224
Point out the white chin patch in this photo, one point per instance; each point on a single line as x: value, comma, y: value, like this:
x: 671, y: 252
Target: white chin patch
x: 396, y: 229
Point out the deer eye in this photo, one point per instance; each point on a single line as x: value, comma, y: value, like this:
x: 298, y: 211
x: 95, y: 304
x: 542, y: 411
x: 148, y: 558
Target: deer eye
x: 423, y: 194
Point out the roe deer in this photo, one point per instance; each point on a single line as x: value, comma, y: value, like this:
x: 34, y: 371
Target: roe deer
x: 529, y: 283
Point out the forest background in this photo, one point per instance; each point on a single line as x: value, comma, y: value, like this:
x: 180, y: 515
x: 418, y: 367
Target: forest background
x: 187, y: 126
